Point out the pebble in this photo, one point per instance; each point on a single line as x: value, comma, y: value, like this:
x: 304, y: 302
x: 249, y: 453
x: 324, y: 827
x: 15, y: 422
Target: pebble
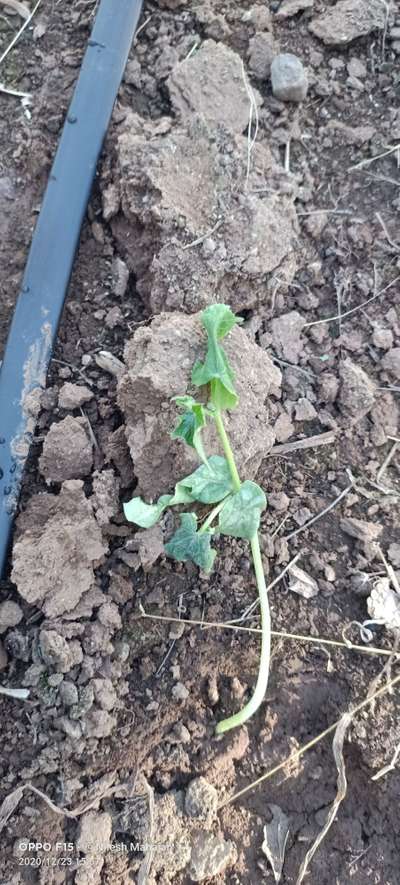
x: 289, y: 78
x: 383, y: 338
x: 180, y: 692
x: 278, y: 501
x: 10, y: 615
x: 201, y: 800
x: 209, y: 857
x: 304, y: 410
x: 262, y: 49
x: 72, y: 396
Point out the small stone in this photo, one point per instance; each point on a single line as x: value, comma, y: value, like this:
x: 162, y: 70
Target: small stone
x: 364, y: 531
x: 288, y: 8
x: 104, y: 693
x: 357, y: 68
x: 94, y: 832
x: 150, y: 546
x: 357, y: 393
x: 289, y: 78
x: 179, y: 734
x: 10, y: 615
x: 68, y: 693
x: 99, y: 724
x: 304, y: 410
x: 210, y: 856
x: 71, y: 728
x: 283, y: 428
x: 262, y: 49
x: 114, y: 318
x: 330, y: 573
x: 180, y: 692
x: 120, y: 277
x: 278, y: 501
x: 109, y: 616
x: 286, y: 334
x: 201, y: 800
x: 58, y: 653
x: 73, y: 396
x: 391, y: 362
x: 383, y: 338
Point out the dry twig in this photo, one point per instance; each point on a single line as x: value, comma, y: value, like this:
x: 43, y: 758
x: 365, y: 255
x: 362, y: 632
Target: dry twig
x: 318, y: 516
x: 21, y: 31
x: 320, y: 439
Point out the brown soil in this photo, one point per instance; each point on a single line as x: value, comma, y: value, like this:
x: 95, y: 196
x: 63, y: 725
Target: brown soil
x: 124, y: 708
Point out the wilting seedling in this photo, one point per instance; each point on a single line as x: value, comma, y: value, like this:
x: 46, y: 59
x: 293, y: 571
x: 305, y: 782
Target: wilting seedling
x: 238, y: 505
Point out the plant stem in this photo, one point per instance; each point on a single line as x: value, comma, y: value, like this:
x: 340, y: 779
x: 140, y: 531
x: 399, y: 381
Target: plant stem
x: 263, y: 672
x: 227, y: 450
x: 211, y: 516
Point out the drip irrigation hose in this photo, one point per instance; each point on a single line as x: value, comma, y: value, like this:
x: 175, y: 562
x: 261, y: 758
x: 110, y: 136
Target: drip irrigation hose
x: 47, y: 274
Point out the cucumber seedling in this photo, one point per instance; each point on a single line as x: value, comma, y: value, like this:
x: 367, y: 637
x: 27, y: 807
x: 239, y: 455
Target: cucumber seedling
x: 237, y: 505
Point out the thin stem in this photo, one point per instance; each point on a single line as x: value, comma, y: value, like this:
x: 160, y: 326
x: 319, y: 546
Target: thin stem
x: 227, y: 450
x: 211, y: 516
x: 263, y: 672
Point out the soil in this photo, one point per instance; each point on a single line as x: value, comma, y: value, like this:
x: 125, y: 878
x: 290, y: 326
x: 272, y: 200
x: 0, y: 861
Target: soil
x: 118, y: 729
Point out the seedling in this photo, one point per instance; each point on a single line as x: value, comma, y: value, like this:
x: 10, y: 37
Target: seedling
x: 237, y: 505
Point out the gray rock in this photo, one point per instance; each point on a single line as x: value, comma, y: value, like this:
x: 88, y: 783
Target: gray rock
x: 72, y: 396
x: 10, y: 615
x: 289, y: 78
x: 382, y: 338
x: 210, y: 856
x: 68, y: 693
x: 288, y: 8
x: 304, y: 410
x: 347, y: 20
x: 120, y: 277
x: 357, y: 392
x: 286, y: 336
x: 262, y: 49
x: 99, y: 724
x: 58, y: 653
x: 201, y: 800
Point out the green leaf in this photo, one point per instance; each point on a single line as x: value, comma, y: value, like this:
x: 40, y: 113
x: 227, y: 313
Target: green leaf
x: 218, y: 320
x: 211, y: 482
x: 240, y: 515
x: 188, y: 544
x: 191, y: 424
x: 146, y: 515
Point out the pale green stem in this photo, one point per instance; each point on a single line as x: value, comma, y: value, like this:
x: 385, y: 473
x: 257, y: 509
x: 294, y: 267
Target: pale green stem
x: 211, y: 516
x: 227, y: 450
x: 263, y: 672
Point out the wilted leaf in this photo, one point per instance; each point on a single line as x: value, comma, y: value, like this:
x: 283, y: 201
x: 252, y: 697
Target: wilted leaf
x: 146, y: 515
x: 240, y: 515
x: 217, y: 319
x: 210, y: 483
x: 188, y: 544
x: 302, y: 583
x: 337, y: 746
x: 191, y: 423
x: 275, y: 838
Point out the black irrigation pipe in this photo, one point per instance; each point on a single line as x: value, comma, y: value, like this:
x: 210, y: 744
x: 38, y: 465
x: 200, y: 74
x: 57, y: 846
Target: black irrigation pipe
x: 45, y: 283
